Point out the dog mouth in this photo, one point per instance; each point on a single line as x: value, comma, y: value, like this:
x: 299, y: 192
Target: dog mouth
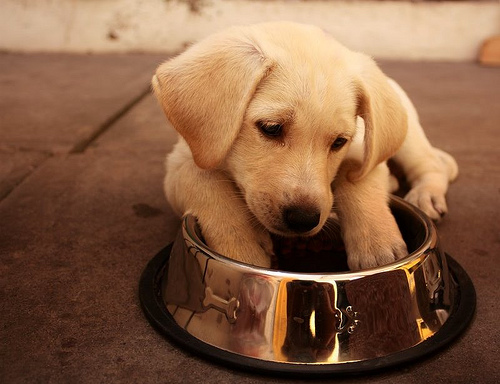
x: 283, y: 232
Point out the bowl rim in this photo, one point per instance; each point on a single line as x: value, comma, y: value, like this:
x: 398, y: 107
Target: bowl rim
x: 429, y: 243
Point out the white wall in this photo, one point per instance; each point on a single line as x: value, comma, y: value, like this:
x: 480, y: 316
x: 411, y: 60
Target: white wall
x: 387, y: 29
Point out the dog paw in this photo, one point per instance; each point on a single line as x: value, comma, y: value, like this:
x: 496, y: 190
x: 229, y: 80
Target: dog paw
x: 375, y: 247
x: 431, y: 202
x: 376, y: 255
x: 429, y: 189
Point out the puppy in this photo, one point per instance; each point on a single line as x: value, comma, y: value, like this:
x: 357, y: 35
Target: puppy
x: 279, y: 123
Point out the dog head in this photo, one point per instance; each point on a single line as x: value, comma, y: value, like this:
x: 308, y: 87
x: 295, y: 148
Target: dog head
x: 275, y: 105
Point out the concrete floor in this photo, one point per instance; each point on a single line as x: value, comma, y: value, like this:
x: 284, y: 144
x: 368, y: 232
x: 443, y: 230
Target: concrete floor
x: 82, y: 144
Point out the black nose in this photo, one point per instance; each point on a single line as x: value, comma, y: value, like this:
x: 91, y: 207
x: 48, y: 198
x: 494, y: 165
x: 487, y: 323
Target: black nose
x: 299, y: 219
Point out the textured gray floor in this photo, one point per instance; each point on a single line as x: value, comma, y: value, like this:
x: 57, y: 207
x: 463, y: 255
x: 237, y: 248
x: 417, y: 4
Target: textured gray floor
x: 82, y: 211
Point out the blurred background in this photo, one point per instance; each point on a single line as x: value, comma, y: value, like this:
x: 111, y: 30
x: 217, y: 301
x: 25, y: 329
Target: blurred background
x: 82, y: 148
x: 403, y: 30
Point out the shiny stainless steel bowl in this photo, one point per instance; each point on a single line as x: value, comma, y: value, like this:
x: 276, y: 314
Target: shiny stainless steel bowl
x: 309, y: 323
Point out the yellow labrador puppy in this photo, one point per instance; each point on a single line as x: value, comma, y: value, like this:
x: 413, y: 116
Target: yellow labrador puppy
x: 279, y: 123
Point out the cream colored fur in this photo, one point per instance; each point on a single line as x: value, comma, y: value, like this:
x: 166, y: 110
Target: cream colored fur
x: 242, y: 183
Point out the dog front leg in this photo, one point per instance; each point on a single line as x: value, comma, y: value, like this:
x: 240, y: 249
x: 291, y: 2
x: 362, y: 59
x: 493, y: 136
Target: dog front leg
x: 227, y: 225
x: 369, y: 230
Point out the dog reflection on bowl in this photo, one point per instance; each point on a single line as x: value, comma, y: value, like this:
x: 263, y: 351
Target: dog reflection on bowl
x: 298, y: 314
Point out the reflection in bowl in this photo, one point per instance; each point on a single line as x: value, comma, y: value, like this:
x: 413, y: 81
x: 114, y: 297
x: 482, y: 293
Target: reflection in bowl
x: 322, y: 319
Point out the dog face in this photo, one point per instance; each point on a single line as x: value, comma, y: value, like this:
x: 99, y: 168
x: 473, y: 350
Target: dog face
x: 296, y: 131
x: 275, y: 106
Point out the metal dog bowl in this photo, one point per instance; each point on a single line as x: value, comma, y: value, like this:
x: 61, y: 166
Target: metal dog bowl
x: 317, y: 324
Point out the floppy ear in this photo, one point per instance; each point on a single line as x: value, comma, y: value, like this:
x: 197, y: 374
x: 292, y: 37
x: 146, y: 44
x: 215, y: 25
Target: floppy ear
x: 384, y: 116
x: 206, y: 90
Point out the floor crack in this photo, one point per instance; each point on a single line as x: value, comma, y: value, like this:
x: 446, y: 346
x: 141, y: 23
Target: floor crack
x: 81, y: 146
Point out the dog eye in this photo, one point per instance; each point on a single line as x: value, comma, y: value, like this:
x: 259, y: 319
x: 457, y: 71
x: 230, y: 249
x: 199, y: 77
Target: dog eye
x: 338, y: 143
x: 270, y: 129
